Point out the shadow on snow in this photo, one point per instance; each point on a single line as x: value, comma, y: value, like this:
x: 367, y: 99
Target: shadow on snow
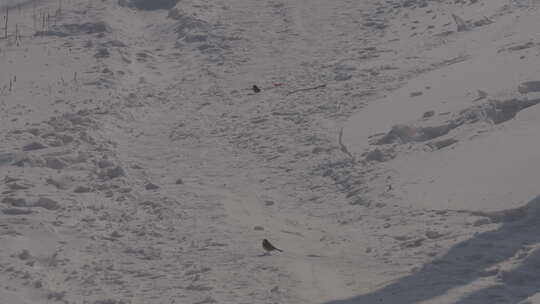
x: 468, y: 261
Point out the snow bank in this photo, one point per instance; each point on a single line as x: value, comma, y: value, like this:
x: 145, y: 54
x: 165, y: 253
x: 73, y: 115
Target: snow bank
x: 464, y: 134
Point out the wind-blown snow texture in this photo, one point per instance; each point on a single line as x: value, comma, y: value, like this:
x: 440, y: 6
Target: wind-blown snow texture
x: 392, y: 152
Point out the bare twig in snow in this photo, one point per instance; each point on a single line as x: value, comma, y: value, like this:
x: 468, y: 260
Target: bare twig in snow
x: 461, y: 24
x: 307, y: 89
x: 6, y: 27
x: 342, y: 146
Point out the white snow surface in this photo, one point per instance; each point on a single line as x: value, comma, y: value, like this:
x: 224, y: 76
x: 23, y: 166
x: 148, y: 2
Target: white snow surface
x: 391, y: 157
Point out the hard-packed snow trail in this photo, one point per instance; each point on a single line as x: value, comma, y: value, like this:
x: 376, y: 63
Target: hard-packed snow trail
x: 231, y: 204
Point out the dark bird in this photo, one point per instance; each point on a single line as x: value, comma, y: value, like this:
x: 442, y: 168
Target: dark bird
x: 256, y: 89
x: 269, y: 247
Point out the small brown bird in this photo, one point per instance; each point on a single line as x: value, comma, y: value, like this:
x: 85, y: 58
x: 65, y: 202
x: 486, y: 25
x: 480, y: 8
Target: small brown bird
x: 269, y: 247
x: 255, y: 89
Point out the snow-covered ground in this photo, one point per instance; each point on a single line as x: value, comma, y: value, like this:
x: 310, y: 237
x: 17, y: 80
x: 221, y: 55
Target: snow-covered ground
x: 391, y: 152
